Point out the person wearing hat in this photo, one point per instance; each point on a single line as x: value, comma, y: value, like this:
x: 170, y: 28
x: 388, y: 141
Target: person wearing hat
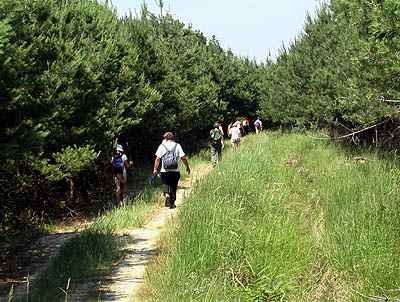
x: 119, y: 164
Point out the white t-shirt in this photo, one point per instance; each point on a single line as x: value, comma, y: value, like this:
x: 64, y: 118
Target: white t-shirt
x: 161, y: 151
x: 124, y: 158
x: 220, y: 129
x: 235, y: 131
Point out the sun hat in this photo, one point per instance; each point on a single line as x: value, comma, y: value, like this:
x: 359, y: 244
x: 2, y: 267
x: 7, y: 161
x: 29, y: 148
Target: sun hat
x: 119, y: 148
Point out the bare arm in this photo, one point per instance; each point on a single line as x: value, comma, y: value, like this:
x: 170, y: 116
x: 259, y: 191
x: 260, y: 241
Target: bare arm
x: 128, y: 164
x: 184, y: 159
x: 156, y: 164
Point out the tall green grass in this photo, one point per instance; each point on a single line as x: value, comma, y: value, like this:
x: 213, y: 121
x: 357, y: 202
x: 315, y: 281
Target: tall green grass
x: 284, y: 218
x: 360, y: 201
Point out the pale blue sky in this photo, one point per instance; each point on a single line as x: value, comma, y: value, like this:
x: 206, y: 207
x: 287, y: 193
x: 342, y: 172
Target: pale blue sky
x: 250, y: 28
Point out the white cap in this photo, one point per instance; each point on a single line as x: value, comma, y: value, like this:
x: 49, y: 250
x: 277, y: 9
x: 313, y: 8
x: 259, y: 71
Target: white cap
x: 119, y: 148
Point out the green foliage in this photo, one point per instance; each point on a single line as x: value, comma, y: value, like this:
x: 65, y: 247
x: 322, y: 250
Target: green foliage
x: 339, y: 70
x: 69, y: 162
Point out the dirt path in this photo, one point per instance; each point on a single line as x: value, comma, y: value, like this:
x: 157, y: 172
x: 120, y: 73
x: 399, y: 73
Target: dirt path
x: 139, y: 245
x: 40, y: 254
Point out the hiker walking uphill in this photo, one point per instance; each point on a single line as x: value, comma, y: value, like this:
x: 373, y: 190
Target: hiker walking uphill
x: 234, y: 134
x: 258, y: 125
x: 246, y: 126
x: 169, y: 153
x: 119, y: 164
x: 220, y: 128
x: 217, y: 144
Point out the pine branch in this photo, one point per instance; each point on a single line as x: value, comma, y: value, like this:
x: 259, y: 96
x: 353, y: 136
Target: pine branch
x: 374, y: 298
x: 389, y: 101
x: 351, y: 134
x: 392, y: 101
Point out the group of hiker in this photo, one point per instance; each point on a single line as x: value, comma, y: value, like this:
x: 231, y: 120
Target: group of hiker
x: 236, y: 130
x: 169, y: 153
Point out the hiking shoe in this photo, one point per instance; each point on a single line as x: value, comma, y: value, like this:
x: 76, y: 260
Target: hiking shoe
x: 167, y: 199
x: 172, y: 206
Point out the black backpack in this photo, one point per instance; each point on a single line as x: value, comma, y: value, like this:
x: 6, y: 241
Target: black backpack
x: 170, y: 160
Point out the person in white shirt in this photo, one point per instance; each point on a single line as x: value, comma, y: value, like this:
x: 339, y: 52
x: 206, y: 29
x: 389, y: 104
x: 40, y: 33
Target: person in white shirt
x: 170, y: 177
x: 258, y: 125
x: 234, y: 133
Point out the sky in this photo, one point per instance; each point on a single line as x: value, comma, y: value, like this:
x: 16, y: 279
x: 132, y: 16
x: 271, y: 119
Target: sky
x: 249, y: 28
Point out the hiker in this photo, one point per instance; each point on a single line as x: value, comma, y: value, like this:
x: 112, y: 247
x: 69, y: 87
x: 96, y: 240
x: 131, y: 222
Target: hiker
x: 119, y: 164
x: 238, y: 124
x: 258, y: 125
x: 169, y: 152
x: 245, y: 126
x: 234, y: 133
x: 217, y: 143
x: 220, y: 128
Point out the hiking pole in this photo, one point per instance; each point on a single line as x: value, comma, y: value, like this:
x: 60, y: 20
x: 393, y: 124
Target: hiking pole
x: 130, y: 159
x: 129, y: 151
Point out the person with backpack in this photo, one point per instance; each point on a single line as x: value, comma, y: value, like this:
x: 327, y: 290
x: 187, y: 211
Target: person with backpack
x: 245, y: 126
x: 168, y: 153
x: 217, y: 143
x: 119, y: 164
x: 235, y: 134
x: 258, y: 125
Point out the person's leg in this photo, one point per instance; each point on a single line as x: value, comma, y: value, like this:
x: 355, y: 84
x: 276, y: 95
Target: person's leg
x: 171, y: 180
x: 166, y: 188
x: 213, y: 155
x: 123, y: 185
x: 174, y: 179
x: 117, y: 188
x: 237, y: 142
x: 123, y: 191
x: 219, y: 153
